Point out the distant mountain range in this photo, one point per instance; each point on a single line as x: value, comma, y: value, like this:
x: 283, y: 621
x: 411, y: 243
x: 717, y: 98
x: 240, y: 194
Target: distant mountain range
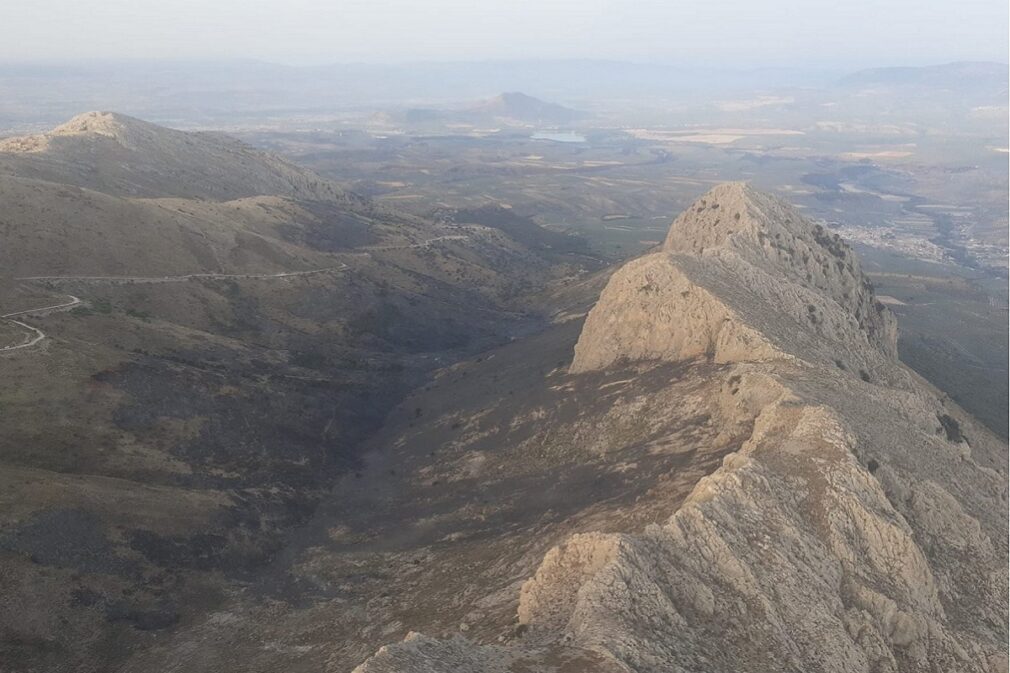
x: 967, y: 74
x: 207, y: 92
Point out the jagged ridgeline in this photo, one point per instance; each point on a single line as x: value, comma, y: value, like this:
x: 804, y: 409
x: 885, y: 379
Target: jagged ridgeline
x: 860, y: 525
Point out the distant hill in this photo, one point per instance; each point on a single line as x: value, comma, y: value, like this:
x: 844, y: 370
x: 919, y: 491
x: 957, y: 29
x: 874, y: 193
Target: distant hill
x: 511, y: 106
x: 123, y: 156
x: 105, y: 193
x: 960, y: 75
x: 517, y: 105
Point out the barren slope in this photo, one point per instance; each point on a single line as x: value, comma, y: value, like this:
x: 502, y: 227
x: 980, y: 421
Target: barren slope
x: 124, y: 156
x: 231, y: 349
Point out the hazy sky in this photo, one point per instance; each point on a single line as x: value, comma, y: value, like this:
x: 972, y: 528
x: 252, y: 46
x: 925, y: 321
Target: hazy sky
x: 713, y: 32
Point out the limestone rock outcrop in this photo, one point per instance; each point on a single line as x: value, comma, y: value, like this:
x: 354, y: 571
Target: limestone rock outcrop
x: 742, y: 276
x: 861, y: 527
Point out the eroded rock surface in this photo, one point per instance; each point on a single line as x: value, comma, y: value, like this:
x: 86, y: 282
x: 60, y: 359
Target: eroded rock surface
x: 741, y: 277
x: 851, y: 530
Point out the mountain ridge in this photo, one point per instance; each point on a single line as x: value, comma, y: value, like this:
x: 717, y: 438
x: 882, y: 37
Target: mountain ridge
x: 124, y: 156
x: 859, y: 526
x: 956, y: 75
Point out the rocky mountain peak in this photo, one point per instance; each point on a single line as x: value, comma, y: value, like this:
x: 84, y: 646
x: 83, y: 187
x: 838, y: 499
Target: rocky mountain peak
x: 765, y: 230
x: 125, y: 130
x: 97, y: 123
x: 741, y: 276
x: 728, y: 211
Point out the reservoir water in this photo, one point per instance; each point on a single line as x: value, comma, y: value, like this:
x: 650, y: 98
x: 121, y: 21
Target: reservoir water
x: 560, y: 136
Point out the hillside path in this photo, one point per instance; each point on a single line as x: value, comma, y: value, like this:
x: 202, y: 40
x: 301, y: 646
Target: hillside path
x: 35, y: 334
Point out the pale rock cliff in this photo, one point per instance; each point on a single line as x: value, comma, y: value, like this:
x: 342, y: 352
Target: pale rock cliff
x: 742, y: 276
x: 862, y: 526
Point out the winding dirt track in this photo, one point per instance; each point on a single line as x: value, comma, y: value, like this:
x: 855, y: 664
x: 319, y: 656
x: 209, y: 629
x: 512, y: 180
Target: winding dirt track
x: 36, y: 335
x: 222, y: 276
x: 183, y: 278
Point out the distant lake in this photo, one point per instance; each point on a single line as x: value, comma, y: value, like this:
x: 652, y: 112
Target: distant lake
x: 560, y: 137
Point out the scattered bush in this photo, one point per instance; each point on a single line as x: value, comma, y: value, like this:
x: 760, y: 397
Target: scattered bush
x: 951, y: 428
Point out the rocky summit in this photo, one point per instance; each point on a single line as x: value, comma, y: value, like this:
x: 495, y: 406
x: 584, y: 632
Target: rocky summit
x: 741, y: 277
x: 856, y: 522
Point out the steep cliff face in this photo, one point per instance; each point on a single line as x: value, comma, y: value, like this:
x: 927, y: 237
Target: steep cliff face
x: 861, y: 525
x: 652, y: 310
x: 741, y: 277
